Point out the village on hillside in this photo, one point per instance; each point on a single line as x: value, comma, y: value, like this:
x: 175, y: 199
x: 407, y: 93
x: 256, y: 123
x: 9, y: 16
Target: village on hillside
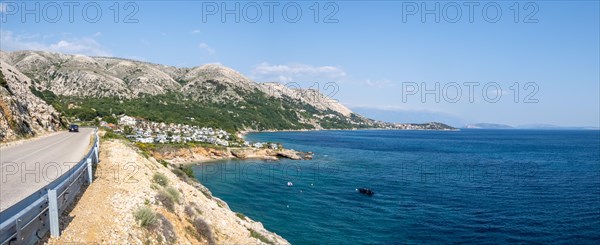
x: 144, y: 131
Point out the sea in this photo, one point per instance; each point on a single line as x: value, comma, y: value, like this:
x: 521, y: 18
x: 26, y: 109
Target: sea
x: 431, y: 187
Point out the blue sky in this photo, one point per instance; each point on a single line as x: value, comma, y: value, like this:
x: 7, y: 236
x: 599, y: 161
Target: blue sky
x: 373, y: 50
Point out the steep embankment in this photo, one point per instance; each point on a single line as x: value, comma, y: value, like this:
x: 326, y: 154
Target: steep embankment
x: 134, y: 200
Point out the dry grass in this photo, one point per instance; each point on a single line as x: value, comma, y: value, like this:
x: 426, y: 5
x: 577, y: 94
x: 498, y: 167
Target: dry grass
x: 166, y: 229
x: 146, y: 217
x: 166, y: 199
x: 160, y: 179
x: 204, y: 230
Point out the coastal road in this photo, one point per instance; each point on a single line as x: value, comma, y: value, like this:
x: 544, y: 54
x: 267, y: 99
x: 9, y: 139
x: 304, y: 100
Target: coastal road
x: 27, y: 167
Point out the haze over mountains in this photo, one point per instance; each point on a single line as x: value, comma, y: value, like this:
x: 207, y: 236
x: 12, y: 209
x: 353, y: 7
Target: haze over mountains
x: 524, y: 126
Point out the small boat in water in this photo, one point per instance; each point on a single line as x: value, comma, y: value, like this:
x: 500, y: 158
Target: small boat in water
x: 290, y: 183
x: 365, y: 191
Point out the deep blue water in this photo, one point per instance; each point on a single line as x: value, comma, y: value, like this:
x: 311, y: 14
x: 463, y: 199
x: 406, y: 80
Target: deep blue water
x: 471, y: 186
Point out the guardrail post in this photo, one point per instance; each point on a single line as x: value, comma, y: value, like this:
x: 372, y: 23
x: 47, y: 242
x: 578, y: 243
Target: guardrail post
x: 19, y: 230
x: 97, y: 148
x: 94, y: 155
x: 89, y: 169
x: 53, y: 213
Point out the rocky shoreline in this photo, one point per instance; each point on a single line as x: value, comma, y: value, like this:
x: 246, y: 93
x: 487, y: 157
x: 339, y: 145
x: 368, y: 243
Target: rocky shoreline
x: 199, y: 154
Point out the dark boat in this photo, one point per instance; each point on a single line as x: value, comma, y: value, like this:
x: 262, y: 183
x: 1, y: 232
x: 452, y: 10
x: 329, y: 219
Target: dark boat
x: 366, y: 191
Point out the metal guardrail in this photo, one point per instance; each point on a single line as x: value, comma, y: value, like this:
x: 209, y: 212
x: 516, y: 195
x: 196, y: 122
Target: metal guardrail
x: 29, y: 220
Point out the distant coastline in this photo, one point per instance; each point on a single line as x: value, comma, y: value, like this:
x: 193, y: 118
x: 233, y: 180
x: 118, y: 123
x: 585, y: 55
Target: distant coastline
x: 241, y: 134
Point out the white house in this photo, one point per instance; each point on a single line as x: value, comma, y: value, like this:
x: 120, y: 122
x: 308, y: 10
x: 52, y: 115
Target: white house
x: 127, y: 120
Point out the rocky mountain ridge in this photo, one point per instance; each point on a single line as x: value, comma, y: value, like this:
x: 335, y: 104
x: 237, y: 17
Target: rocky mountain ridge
x: 78, y: 76
x: 83, y: 87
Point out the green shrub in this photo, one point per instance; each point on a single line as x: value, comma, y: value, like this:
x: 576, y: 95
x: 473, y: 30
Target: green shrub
x: 179, y: 173
x: 160, y: 179
x: 260, y: 237
x: 163, y: 162
x: 184, y: 172
x: 188, y: 171
x: 111, y: 135
x: 174, y: 193
x: 169, y: 197
x: 145, y: 154
x: 146, y: 217
x: 240, y: 215
x: 110, y: 119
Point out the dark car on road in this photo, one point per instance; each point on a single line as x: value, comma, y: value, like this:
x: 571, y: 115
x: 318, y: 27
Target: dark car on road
x: 74, y: 128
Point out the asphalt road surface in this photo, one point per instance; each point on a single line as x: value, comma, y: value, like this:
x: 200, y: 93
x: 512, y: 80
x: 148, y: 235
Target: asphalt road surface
x: 27, y: 167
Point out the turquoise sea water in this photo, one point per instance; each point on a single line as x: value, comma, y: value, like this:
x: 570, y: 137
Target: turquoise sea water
x: 471, y: 186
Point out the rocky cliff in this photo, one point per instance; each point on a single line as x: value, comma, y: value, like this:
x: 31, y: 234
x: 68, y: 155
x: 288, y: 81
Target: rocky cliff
x: 309, y: 96
x: 22, y: 114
